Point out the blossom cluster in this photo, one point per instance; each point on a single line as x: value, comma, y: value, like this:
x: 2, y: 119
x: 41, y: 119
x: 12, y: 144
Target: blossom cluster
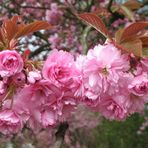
x: 41, y: 94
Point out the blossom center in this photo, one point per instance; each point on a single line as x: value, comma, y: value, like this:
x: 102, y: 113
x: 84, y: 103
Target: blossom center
x: 104, y: 71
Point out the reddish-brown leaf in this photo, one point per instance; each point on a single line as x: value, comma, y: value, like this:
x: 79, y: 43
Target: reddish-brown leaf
x: 118, y: 35
x: 134, y: 46
x: 16, y: 19
x: 132, y: 4
x: 1, y: 36
x: 144, y: 41
x: 32, y: 27
x: 10, y: 27
x: 142, y: 34
x: 93, y: 20
x: 102, y: 12
x: 14, y: 28
x: 133, y: 29
x: 12, y: 44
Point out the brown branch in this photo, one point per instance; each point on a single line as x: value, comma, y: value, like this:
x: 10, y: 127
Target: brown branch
x: 109, y: 6
x: 60, y: 134
x: 39, y: 50
x: 34, y: 7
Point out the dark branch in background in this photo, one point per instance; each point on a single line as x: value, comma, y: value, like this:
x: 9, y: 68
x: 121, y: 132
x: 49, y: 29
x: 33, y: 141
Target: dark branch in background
x: 115, y: 15
x: 89, y: 5
x: 145, y: 2
x: 41, y: 36
x: 109, y: 6
x: 10, y: 10
x: 39, y: 50
x: 60, y: 134
x: 43, y: 8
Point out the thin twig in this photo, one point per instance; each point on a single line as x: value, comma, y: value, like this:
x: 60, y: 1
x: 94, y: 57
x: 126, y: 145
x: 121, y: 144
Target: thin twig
x: 84, y: 39
x: 109, y: 6
x: 34, y: 7
x: 60, y: 134
x: 39, y: 50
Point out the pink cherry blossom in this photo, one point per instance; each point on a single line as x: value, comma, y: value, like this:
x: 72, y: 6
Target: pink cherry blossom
x: 34, y: 76
x: 139, y: 85
x: 54, y: 14
x: 28, y: 102
x: 10, y: 63
x: 144, y: 62
x: 48, y: 117
x: 59, y: 68
x: 113, y: 107
x: 2, y: 87
x: 103, y: 67
x: 19, y: 79
x: 9, y: 122
x: 54, y: 40
x: 79, y: 87
x: 135, y: 103
x: 41, y: 94
x: 43, y: 104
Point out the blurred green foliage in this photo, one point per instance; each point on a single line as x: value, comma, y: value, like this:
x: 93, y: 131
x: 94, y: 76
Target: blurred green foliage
x: 121, y: 134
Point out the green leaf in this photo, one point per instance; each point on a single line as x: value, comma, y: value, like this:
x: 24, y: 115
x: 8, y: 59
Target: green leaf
x: 145, y: 52
x: 128, y: 13
x: 133, y: 46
